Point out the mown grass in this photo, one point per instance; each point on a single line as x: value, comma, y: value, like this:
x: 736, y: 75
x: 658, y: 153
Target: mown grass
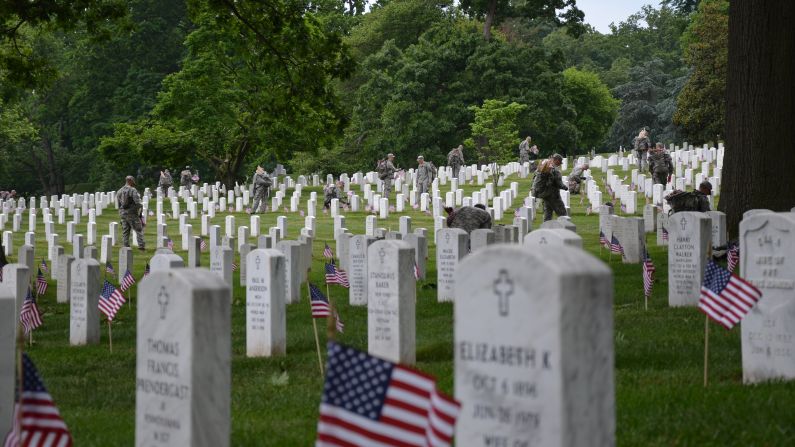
x: 660, y: 398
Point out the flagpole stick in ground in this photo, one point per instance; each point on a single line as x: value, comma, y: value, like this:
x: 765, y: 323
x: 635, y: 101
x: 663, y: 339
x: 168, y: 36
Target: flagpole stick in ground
x: 110, y: 337
x: 706, y: 349
x: 314, y: 327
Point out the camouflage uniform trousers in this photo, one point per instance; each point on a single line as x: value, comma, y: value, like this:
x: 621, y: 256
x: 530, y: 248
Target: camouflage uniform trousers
x: 128, y: 223
x: 260, y: 200
x: 388, y: 185
x: 456, y: 168
x: 660, y: 177
x: 422, y: 187
x: 553, y: 204
x: 643, y: 164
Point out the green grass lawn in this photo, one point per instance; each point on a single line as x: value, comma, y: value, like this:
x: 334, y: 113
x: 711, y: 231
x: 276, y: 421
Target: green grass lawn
x: 659, y: 355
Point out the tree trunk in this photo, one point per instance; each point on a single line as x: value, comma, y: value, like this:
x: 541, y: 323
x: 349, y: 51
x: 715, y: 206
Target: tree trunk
x: 490, y: 13
x: 760, y: 110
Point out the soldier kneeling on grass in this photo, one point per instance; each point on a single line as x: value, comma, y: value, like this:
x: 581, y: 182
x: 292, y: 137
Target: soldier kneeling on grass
x: 690, y: 201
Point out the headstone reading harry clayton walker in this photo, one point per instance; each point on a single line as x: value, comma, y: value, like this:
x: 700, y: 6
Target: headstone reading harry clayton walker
x: 534, y: 348
x: 183, y: 363
x: 690, y: 236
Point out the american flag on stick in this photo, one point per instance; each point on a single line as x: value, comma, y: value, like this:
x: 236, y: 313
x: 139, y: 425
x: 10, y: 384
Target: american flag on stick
x: 664, y: 234
x: 338, y: 323
x: 733, y: 257
x: 127, y: 281
x: 336, y: 276
x: 147, y: 270
x: 37, y: 421
x: 370, y: 401
x: 603, y: 239
x: 43, y: 266
x: 327, y: 253
x: 110, y: 300
x: 29, y: 314
x: 234, y: 267
x: 725, y: 297
x: 615, y: 245
x: 203, y: 245
x: 109, y: 268
x: 320, y: 305
x: 648, y: 275
x: 41, y: 284
x: 170, y: 244
x: 417, y: 274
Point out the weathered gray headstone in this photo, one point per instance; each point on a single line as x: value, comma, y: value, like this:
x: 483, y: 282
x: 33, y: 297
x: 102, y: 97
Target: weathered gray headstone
x: 534, y: 356
x: 125, y: 261
x: 688, y: 248
x: 8, y: 336
x: 632, y: 236
x: 718, y: 225
x: 481, y: 238
x: 245, y: 249
x: 184, y: 356
x: 553, y: 237
x: 451, y: 246
x: 662, y: 229
x: 420, y: 245
x: 194, y: 252
x: 221, y: 263
x: 292, y: 251
x: 64, y: 289
x: 15, y: 278
x: 83, y: 301
x: 650, y: 217
x: 266, y: 315
x: 163, y: 261
x: 767, y: 245
x: 391, y: 301
x: 357, y: 275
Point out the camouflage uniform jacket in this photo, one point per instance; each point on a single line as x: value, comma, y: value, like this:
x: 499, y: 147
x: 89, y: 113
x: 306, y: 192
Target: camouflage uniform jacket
x: 660, y: 162
x: 641, y: 144
x: 165, y: 180
x: 469, y: 218
x: 261, y: 183
x: 331, y: 192
x: 455, y: 158
x: 576, y: 175
x: 547, y: 184
x: 129, y: 201
x: 185, y: 177
x: 424, y: 173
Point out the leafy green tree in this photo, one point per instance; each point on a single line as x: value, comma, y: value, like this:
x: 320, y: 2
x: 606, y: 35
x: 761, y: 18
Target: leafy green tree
x: 495, y: 130
x: 702, y: 103
x: 596, y: 108
x: 495, y: 11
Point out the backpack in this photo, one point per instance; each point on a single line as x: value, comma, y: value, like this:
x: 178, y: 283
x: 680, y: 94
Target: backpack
x: 383, y: 172
x: 683, y: 201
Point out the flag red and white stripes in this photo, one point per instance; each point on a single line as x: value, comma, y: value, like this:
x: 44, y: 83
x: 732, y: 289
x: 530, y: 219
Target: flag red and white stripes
x: 29, y: 314
x: 41, y: 284
x: 320, y: 305
x: 336, y: 276
x: 733, y: 257
x: 327, y: 253
x: 338, y: 322
x: 110, y: 300
x: 127, y: 281
x: 417, y: 274
x: 37, y: 422
x: 395, y: 406
x: 725, y: 297
x: 648, y: 275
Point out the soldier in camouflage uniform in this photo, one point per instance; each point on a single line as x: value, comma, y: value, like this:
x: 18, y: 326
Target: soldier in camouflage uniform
x: 455, y: 159
x: 697, y: 200
x: 387, y: 174
x: 642, y: 145
x: 576, y: 178
x: 524, y: 151
x: 660, y: 164
x: 185, y: 177
x: 468, y: 218
x: 547, y: 184
x: 333, y: 191
x: 129, y: 202
x: 424, y: 175
x: 165, y: 181
x: 260, y: 189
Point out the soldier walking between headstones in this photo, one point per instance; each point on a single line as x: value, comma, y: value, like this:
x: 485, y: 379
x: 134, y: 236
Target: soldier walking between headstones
x: 660, y: 164
x: 524, y: 151
x: 333, y: 191
x: 642, y: 145
x: 130, y: 206
x: 455, y: 159
x: 547, y: 184
x: 165, y: 181
x: 386, y: 172
x: 424, y: 175
x: 185, y: 177
x: 576, y: 178
x: 260, y: 189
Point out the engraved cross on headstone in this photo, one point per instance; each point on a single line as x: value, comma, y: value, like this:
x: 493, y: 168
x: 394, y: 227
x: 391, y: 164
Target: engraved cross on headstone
x: 683, y: 222
x: 382, y: 254
x: 162, y: 299
x: 503, y: 288
x: 257, y: 261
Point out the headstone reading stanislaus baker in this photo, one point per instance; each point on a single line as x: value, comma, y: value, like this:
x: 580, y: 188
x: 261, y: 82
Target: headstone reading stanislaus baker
x: 534, y: 354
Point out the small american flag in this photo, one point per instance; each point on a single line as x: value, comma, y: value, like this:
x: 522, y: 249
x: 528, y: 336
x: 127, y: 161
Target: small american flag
x: 516, y: 212
x: 588, y: 210
x: 127, y: 281
x: 43, y: 266
x: 41, y: 284
x: 336, y: 276
x: 615, y: 245
x: 370, y: 401
x: 733, y: 257
x: 725, y: 297
x: 417, y: 274
x: 648, y: 275
x: 109, y: 268
x: 664, y: 234
x: 110, y: 300
x: 301, y: 213
x: 327, y: 253
x: 603, y: 239
x: 29, y: 314
x: 147, y: 270
x: 320, y: 305
x: 203, y: 245
x: 170, y: 244
x: 338, y: 323
x: 37, y: 421
x: 234, y: 267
